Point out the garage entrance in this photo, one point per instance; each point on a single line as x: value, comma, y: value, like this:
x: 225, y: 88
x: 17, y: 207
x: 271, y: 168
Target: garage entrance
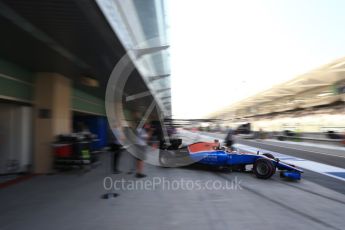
x: 15, y: 138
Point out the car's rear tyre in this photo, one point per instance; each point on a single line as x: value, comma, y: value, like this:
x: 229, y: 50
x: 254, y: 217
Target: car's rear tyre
x: 263, y: 168
x: 268, y: 155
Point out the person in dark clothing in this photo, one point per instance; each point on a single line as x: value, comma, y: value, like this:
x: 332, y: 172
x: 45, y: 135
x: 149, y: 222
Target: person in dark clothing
x: 116, y: 149
x: 229, y: 141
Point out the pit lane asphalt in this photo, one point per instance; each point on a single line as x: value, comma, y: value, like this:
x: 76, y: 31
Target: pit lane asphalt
x: 73, y: 201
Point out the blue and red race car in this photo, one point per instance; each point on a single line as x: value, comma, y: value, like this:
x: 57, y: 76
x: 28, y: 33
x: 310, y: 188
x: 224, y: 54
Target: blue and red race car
x: 210, y: 153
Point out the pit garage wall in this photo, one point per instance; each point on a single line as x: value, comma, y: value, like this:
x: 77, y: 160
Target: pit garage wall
x: 86, y: 103
x: 18, y: 85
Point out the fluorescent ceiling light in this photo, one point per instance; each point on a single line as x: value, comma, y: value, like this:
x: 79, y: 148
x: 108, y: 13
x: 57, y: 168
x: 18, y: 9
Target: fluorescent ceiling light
x: 89, y: 81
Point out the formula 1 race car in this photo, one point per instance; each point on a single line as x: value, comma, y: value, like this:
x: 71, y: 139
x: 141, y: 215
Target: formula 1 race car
x: 211, y: 153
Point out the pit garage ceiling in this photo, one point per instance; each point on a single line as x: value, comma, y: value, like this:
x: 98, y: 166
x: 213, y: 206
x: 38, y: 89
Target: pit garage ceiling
x: 70, y: 37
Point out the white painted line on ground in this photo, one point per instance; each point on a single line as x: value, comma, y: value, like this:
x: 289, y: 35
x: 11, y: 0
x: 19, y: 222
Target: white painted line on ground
x: 317, y: 145
x: 280, y: 146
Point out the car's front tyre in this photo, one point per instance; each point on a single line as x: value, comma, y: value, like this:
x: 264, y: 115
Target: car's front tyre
x: 263, y: 168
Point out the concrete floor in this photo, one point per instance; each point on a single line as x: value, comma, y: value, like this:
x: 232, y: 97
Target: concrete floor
x: 73, y: 201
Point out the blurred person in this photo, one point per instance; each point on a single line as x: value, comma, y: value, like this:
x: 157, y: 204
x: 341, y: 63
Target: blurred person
x: 116, y: 149
x: 229, y: 140
x: 156, y: 134
x: 333, y: 135
x: 83, y: 129
x: 132, y: 167
x: 216, y: 144
x: 142, y: 139
x: 261, y: 134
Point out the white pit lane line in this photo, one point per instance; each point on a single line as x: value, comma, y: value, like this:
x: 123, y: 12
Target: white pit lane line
x: 324, y: 169
x: 301, y: 149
